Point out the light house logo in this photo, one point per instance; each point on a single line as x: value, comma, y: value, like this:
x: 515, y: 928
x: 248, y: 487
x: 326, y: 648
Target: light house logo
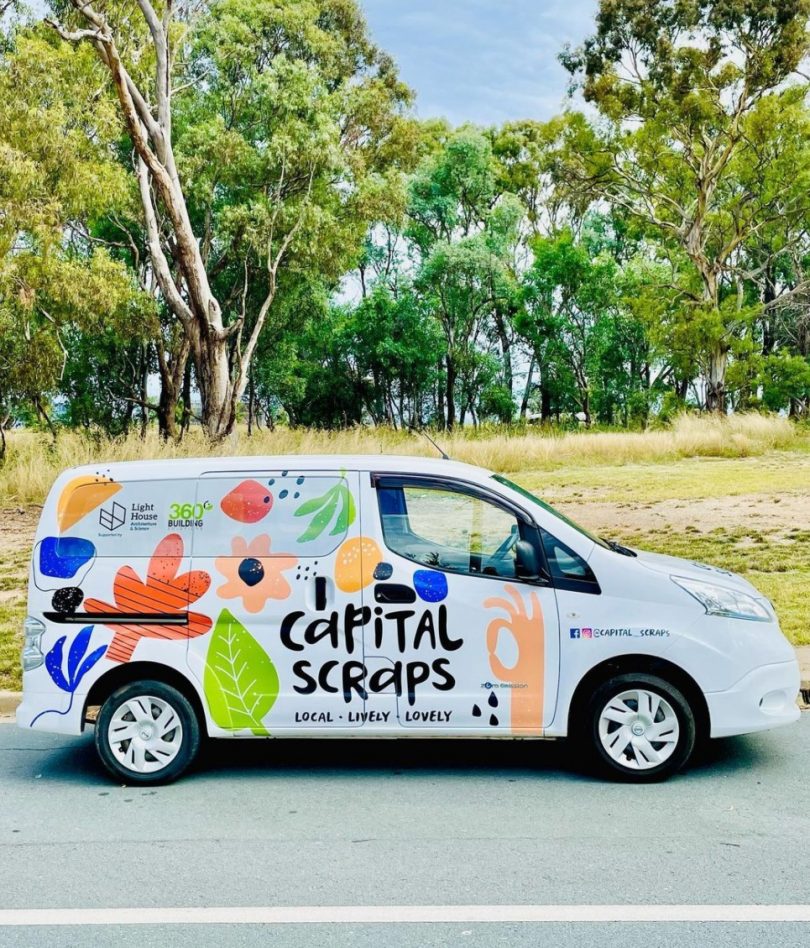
x: 112, y: 518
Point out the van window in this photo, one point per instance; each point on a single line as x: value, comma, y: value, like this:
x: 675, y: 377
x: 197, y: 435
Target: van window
x: 449, y: 529
x: 568, y: 569
x: 122, y: 519
x: 303, y: 514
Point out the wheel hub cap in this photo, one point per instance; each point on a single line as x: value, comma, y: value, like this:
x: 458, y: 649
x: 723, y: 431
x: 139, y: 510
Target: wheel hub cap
x: 145, y: 734
x: 639, y: 729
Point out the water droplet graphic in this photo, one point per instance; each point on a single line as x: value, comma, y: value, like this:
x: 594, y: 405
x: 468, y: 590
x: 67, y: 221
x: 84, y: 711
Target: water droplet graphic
x: 493, y: 700
x: 493, y: 720
x: 476, y: 711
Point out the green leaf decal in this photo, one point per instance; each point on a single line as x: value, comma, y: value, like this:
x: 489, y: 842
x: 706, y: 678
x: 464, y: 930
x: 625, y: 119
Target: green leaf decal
x: 338, y: 501
x: 240, y: 681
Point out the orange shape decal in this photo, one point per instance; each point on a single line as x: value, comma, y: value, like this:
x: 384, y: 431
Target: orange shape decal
x: 163, y: 592
x: 80, y: 496
x: 355, y: 563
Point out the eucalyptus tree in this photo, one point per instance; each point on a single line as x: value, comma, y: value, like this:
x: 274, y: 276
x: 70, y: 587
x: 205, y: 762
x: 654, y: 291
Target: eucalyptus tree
x: 56, y: 178
x: 264, y: 136
x: 681, y: 84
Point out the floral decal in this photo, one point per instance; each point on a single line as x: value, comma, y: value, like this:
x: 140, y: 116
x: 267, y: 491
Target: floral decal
x: 253, y: 574
x: 528, y: 670
x: 79, y: 664
x: 162, y: 592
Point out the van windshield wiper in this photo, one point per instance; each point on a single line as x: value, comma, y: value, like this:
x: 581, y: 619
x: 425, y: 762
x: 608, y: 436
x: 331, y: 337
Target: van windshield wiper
x: 618, y: 548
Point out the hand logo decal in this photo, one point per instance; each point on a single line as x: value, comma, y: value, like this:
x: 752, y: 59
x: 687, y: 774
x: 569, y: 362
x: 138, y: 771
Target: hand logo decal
x: 528, y: 671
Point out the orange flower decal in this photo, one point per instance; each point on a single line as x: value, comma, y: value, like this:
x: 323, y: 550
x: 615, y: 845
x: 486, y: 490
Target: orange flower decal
x: 253, y: 574
x: 163, y: 592
x: 528, y: 671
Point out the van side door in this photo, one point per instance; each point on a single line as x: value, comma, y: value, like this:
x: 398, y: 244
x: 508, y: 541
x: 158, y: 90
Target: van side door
x: 465, y: 634
x: 282, y: 550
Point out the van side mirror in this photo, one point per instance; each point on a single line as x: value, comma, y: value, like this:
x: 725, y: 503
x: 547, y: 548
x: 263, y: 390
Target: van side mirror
x: 527, y: 563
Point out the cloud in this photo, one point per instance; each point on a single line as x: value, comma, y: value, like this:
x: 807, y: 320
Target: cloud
x: 483, y: 61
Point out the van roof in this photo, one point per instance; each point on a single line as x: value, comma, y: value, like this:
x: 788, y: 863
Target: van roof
x: 193, y: 467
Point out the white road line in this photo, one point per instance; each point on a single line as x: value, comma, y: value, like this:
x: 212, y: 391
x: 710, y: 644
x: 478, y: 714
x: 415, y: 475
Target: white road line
x: 401, y: 914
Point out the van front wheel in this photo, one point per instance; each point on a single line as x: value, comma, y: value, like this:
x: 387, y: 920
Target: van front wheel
x: 147, y: 732
x: 640, y: 728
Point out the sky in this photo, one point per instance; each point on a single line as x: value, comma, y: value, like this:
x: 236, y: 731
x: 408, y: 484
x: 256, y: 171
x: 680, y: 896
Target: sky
x: 482, y: 61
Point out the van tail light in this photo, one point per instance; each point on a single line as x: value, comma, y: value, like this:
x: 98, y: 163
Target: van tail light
x: 33, y: 631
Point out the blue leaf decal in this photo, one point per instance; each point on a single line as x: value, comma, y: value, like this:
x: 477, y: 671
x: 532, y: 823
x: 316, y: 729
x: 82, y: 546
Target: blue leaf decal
x: 77, y: 650
x: 88, y: 663
x: 53, y: 662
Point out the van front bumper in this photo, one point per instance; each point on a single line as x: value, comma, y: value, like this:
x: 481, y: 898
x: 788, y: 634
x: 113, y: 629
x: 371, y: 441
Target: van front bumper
x: 764, y: 698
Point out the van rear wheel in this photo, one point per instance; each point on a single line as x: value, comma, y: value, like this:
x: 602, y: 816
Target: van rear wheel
x: 640, y: 728
x: 147, y: 733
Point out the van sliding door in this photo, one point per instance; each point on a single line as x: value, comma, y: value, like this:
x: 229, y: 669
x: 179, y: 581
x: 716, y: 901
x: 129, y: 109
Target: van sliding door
x: 284, y: 553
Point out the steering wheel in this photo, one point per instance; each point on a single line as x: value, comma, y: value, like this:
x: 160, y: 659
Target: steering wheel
x: 505, y: 548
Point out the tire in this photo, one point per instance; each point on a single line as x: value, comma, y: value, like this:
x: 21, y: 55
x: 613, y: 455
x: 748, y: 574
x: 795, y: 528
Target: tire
x: 627, y: 704
x: 164, y: 729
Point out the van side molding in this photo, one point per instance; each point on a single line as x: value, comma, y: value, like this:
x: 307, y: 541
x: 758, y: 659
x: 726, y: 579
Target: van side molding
x: 117, y: 618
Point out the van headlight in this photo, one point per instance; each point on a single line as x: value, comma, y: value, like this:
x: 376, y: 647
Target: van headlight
x: 32, y: 656
x: 722, y: 601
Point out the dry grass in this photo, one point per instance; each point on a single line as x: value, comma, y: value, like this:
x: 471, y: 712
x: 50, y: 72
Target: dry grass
x: 33, y: 461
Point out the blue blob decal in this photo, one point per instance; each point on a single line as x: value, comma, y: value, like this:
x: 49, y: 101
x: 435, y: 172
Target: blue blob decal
x: 430, y: 585
x: 63, y: 557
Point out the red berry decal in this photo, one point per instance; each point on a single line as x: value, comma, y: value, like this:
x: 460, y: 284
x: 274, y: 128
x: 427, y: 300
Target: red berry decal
x: 248, y: 502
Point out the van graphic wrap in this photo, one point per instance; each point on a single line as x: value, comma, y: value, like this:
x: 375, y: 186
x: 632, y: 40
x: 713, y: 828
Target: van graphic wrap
x: 163, y: 592
x: 248, y: 502
x: 80, y: 496
x: 355, y: 563
x: 526, y: 676
x: 79, y: 664
x: 240, y: 681
x: 253, y: 574
x: 68, y: 559
x: 336, y: 507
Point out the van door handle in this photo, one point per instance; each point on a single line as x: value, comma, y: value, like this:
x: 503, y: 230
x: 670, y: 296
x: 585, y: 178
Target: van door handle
x: 320, y: 593
x: 393, y: 592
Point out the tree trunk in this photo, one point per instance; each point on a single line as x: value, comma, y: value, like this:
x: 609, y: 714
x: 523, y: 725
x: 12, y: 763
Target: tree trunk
x: 524, y: 404
x: 440, y: 396
x: 450, y: 398
x: 185, y: 417
x: 172, y: 368
x: 545, y: 402
x: 716, y: 381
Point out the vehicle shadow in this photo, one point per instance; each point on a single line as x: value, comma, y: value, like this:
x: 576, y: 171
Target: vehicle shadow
x: 74, y: 760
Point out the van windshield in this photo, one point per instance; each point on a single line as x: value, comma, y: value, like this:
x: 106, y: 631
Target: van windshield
x: 549, y: 509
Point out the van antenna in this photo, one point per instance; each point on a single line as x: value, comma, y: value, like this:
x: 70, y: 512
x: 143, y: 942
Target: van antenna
x: 442, y: 452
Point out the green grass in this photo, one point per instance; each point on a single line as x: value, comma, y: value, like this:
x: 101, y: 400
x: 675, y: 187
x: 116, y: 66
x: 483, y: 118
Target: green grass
x: 13, y: 571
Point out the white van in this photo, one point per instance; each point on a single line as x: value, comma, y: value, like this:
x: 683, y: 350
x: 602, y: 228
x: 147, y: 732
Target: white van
x: 376, y: 597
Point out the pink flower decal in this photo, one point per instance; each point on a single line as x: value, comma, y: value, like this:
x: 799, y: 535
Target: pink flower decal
x: 253, y: 573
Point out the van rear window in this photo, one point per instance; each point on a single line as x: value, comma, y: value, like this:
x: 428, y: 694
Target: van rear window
x: 303, y: 514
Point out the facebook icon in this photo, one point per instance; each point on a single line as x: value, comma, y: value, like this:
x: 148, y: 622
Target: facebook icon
x: 574, y: 633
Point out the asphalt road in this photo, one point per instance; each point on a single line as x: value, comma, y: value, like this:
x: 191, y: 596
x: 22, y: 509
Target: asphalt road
x: 419, y: 823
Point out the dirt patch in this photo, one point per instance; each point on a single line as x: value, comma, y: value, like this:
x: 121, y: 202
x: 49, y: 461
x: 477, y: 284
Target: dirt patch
x: 17, y: 528
x: 761, y: 514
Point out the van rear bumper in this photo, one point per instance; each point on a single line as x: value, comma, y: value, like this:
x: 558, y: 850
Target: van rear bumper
x: 51, y: 711
x: 765, y: 698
